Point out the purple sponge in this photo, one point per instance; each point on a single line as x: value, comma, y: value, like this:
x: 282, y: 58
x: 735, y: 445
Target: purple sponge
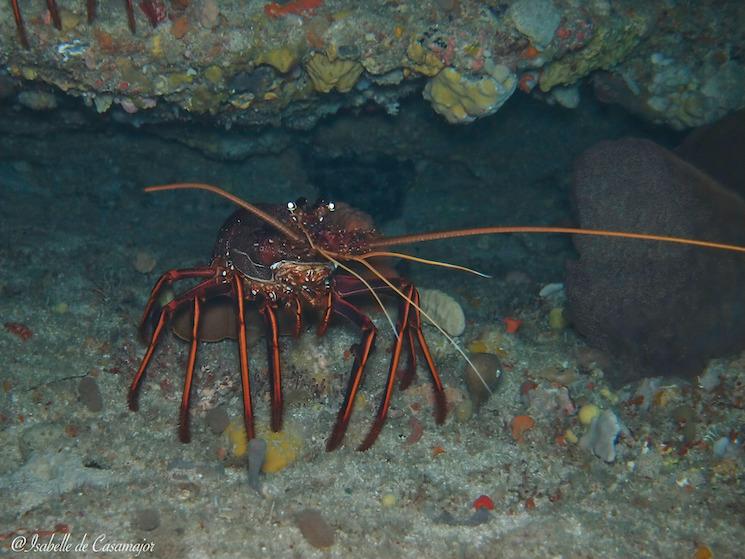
x: 657, y: 308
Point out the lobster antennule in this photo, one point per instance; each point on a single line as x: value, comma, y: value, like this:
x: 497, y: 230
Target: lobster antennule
x: 455, y: 233
x: 412, y: 258
x: 261, y: 214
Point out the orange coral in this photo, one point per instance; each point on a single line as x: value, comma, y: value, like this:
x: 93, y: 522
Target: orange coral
x: 530, y: 52
x: 511, y: 324
x: 521, y: 424
x: 180, y: 27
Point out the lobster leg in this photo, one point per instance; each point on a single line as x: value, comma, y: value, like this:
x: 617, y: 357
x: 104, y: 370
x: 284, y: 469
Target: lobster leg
x: 183, y: 428
x: 130, y: 16
x: 408, y: 377
x: 298, y: 317
x: 54, y: 12
x: 167, y: 279
x: 439, y: 390
x: 248, y: 415
x: 349, y: 311
x: 91, y: 10
x: 326, y: 317
x: 197, y: 291
x: 385, y: 403
x: 272, y: 344
x: 19, y: 23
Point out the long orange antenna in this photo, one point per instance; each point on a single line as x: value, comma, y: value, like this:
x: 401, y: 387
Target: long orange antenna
x: 261, y: 214
x: 454, y: 233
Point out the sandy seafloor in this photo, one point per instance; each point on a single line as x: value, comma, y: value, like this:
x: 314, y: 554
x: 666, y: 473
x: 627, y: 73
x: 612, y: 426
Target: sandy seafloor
x: 72, y: 223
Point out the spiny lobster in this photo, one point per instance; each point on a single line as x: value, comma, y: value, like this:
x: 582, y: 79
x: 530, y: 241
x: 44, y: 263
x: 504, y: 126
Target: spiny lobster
x: 300, y: 255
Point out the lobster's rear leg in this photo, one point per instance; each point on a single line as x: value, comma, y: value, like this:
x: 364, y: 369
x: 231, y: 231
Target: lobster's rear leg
x: 57, y: 21
x: 168, y: 278
x: 54, y: 12
x: 183, y: 427
x: 19, y: 23
x: 197, y: 291
x: 91, y: 9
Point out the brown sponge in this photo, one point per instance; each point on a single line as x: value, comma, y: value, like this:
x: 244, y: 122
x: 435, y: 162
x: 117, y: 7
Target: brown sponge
x: 657, y: 308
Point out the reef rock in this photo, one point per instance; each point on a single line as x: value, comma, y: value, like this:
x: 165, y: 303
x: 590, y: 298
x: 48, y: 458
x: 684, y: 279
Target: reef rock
x: 197, y: 61
x: 657, y: 308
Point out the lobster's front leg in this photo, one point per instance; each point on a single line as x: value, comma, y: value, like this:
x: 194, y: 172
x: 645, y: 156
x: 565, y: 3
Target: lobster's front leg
x: 272, y: 344
x: 439, y: 390
x: 342, y: 307
x: 409, y: 327
x: 130, y: 15
x: 385, y: 403
x: 248, y: 415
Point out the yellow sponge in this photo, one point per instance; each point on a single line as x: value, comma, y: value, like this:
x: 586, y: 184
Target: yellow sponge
x: 461, y: 98
x: 327, y: 73
x: 282, y: 448
x: 283, y: 59
x: 236, y: 435
x: 587, y: 413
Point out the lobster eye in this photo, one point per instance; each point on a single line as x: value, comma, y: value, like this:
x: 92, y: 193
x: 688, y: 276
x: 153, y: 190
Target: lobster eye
x: 331, y: 206
x: 291, y: 206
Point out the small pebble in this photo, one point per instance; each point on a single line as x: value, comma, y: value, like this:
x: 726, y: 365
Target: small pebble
x: 60, y: 308
x: 388, y: 500
x: 556, y: 319
x: 684, y: 414
x: 587, y: 413
x: 90, y: 394
x: 480, y: 386
x: 146, y: 520
x: 314, y: 528
x: 256, y: 458
x: 144, y: 262
x: 550, y: 290
x: 464, y: 411
x: 217, y: 420
x: 720, y: 447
